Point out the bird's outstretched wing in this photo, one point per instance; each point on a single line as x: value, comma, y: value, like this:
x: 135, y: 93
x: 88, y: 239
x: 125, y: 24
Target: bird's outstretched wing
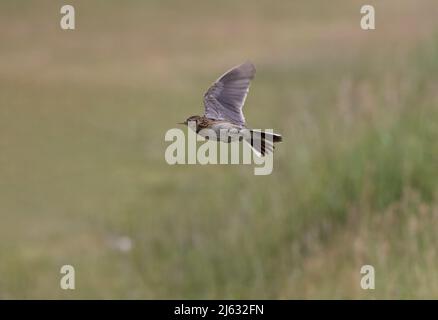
x: 225, y: 98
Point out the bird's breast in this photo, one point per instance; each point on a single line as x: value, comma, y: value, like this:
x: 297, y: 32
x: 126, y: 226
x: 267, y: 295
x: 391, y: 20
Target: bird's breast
x: 223, y: 131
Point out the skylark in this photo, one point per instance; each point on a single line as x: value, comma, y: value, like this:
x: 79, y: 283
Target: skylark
x: 223, y: 103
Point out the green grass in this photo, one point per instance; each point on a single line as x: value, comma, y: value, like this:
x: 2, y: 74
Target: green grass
x: 82, y: 121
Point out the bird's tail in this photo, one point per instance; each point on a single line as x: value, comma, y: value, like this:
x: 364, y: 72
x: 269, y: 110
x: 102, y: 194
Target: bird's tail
x: 262, y: 142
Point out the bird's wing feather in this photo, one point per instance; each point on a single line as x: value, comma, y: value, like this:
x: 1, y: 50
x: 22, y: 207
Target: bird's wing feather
x: 225, y: 98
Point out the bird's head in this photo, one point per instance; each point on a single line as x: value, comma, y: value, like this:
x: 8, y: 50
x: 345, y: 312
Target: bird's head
x: 192, y: 118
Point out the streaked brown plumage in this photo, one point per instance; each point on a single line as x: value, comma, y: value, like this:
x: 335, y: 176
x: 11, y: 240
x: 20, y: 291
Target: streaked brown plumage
x: 223, y: 104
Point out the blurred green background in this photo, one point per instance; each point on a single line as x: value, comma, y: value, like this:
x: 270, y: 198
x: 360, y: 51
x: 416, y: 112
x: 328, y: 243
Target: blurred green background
x: 83, y: 180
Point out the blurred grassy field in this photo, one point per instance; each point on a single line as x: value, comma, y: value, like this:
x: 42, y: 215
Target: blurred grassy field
x: 82, y: 121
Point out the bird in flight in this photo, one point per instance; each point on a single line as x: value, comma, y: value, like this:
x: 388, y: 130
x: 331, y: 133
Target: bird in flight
x: 223, y: 103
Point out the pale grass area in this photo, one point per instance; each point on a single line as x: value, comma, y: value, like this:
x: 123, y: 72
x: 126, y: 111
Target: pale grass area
x: 160, y: 44
x: 401, y: 232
